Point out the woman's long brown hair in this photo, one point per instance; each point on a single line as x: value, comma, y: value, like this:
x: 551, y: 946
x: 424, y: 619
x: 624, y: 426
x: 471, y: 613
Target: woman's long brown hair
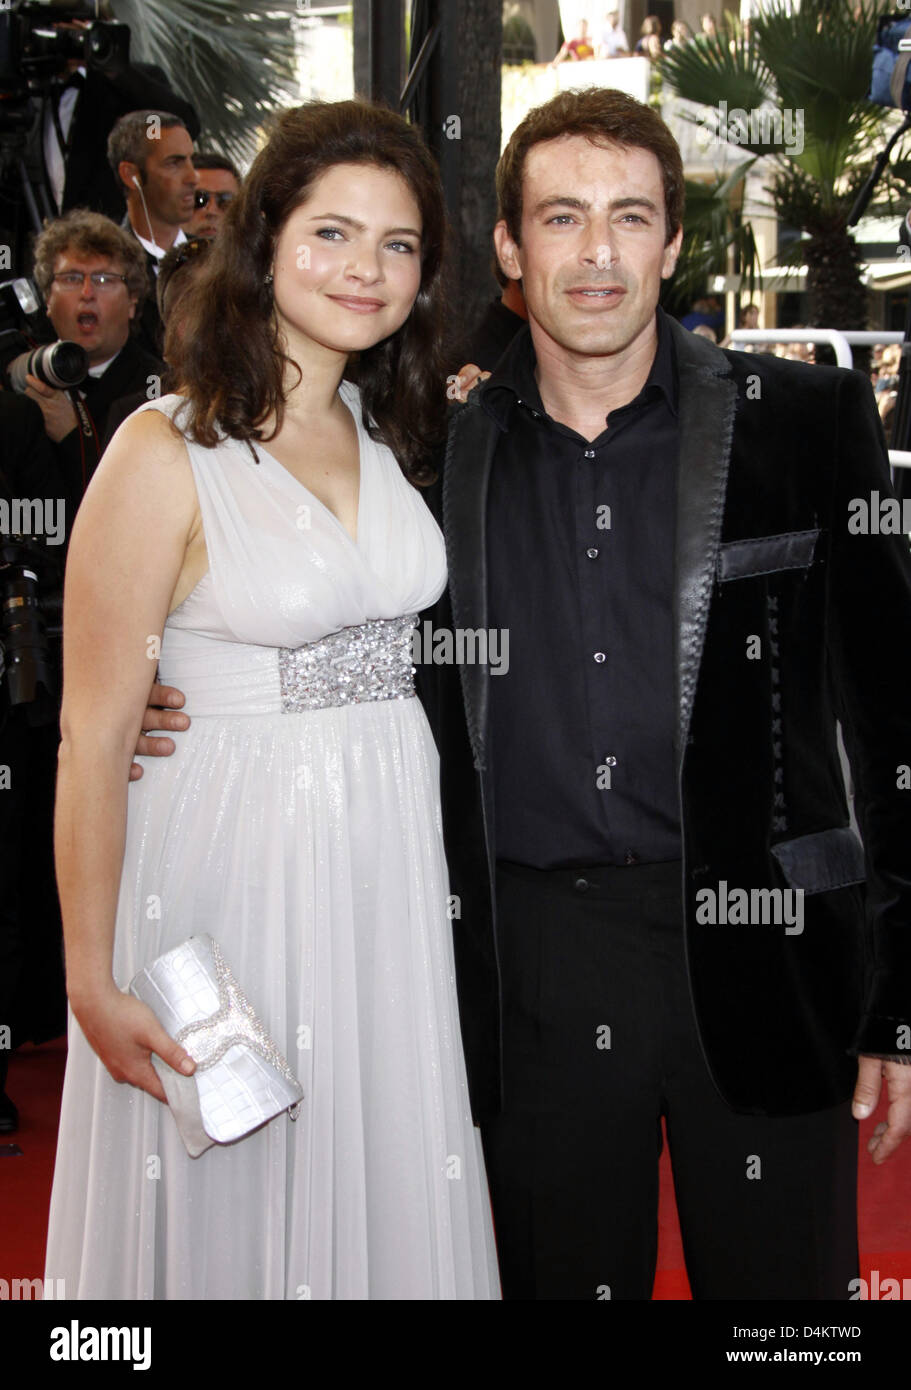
x: 225, y: 345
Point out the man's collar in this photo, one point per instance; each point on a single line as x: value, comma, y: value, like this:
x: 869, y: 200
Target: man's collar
x: 513, y: 382
x: 101, y: 367
x: 158, y: 251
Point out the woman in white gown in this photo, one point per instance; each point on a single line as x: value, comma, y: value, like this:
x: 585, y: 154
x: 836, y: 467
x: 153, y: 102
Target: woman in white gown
x: 298, y: 821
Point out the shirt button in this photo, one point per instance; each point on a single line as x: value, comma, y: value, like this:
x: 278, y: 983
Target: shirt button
x: 631, y: 857
x: 611, y: 760
x: 592, y: 553
x: 599, y: 657
x: 581, y: 885
x: 589, y: 454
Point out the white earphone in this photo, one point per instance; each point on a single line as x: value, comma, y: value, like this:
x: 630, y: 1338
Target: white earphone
x: 138, y: 185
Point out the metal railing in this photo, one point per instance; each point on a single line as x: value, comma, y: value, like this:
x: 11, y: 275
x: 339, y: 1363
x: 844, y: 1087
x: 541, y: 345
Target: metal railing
x: 841, y: 341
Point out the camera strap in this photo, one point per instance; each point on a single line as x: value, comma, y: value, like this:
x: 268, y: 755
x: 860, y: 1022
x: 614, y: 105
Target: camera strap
x: 87, y: 431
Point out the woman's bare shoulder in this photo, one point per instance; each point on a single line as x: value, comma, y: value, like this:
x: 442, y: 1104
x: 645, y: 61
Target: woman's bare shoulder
x: 145, y: 471
x: 151, y: 427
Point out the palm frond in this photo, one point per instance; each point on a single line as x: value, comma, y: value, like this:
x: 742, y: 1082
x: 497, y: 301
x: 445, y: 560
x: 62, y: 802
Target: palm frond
x: 236, y: 65
x: 716, y: 239
x: 821, y: 48
x: 714, y: 70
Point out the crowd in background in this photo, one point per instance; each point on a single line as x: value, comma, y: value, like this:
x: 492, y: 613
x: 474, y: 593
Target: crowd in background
x: 612, y: 42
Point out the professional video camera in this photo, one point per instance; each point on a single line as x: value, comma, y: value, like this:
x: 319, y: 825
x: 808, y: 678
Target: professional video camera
x: 38, y: 44
x: 34, y: 50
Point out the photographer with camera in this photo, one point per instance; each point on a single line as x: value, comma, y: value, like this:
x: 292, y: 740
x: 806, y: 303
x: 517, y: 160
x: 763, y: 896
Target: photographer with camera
x: 65, y: 79
x: 93, y: 278
x: 32, y: 993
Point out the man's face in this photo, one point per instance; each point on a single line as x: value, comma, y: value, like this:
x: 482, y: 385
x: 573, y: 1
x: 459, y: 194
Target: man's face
x: 216, y: 183
x: 97, y: 319
x: 170, y: 179
x: 592, y: 253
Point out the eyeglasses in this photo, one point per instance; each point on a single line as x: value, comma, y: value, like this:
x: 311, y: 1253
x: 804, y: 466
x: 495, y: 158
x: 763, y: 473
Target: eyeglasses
x: 104, y: 280
x: 222, y: 199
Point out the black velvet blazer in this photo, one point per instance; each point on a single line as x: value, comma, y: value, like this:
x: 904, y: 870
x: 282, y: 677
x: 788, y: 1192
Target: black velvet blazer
x: 772, y: 453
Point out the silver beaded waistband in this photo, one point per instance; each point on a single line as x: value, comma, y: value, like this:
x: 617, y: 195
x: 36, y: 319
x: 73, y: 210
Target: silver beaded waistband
x: 369, y: 662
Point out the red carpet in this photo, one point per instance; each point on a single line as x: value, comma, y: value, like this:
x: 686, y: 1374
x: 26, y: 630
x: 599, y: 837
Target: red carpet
x: 36, y: 1076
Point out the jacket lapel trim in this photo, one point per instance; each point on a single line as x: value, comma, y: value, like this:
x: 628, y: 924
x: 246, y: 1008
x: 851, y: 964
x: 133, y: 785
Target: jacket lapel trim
x: 472, y: 441
x: 707, y: 408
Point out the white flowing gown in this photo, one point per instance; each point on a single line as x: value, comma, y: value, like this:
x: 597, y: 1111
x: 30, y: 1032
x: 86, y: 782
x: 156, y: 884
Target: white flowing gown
x: 308, y: 842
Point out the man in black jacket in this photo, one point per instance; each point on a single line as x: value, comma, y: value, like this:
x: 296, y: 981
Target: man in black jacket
x: 661, y: 904
x: 654, y: 788
x: 92, y: 275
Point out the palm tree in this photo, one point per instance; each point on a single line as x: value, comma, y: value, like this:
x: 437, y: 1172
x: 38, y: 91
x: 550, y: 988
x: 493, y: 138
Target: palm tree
x: 813, y: 64
x: 236, y: 64
x: 714, y: 236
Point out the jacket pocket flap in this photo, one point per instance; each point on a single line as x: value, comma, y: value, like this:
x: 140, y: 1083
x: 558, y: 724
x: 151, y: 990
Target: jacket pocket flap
x: 824, y: 860
x: 767, y: 554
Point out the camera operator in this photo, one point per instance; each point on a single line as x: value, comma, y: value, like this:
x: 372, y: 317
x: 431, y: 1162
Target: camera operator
x: 32, y: 991
x: 93, y: 277
x: 88, y: 107
x: 151, y: 153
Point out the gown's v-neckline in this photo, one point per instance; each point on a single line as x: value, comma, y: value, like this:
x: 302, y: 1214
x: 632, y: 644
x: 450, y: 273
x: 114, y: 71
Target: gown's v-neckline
x: 354, y: 540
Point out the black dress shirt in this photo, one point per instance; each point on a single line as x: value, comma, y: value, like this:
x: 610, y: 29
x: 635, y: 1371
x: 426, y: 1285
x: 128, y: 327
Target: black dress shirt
x: 581, y: 564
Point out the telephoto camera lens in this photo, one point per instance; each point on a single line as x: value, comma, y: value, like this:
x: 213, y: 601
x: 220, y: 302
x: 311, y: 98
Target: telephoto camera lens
x: 61, y: 365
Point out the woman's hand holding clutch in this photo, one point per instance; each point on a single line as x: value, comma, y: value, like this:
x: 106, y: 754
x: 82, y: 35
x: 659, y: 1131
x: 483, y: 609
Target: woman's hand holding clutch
x: 123, y: 1032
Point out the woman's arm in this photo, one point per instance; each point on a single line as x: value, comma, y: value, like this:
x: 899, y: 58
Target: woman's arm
x: 126, y: 553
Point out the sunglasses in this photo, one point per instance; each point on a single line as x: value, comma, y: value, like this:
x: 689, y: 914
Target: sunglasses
x: 222, y: 199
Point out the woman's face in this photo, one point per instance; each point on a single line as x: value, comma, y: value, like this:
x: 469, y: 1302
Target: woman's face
x: 347, y: 263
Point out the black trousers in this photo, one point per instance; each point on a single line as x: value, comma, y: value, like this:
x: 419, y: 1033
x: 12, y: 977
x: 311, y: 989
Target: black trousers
x: 599, y: 1042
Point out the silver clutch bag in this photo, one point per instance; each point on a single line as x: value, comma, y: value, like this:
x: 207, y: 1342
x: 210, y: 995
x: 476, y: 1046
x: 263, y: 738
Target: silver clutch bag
x: 241, y: 1079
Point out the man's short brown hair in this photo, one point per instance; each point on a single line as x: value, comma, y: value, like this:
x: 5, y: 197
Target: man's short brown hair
x: 90, y: 234
x: 604, y: 117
